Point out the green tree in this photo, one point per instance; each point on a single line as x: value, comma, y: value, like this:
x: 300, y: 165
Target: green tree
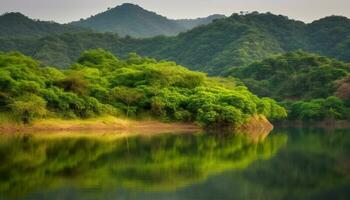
x: 74, y: 83
x: 29, y: 106
x: 129, y: 96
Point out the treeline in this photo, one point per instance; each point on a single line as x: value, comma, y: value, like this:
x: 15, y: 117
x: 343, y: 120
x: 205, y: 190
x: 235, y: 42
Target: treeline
x: 331, y: 108
x: 100, y: 84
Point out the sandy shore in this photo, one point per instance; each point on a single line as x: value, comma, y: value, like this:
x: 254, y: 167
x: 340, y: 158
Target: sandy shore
x: 257, y: 125
x: 111, y: 124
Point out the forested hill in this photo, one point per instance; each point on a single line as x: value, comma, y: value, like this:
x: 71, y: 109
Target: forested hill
x: 18, y: 25
x: 216, y: 48
x: 133, y: 20
x: 294, y: 76
x: 310, y: 86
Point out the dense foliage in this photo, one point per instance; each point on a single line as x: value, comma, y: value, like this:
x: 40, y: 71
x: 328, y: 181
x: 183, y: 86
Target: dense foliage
x: 331, y: 108
x: 103, y: 84
x: 240, y: 46
x: 216, y: 48
x: 307, y: 84
x: 343, y: 89
x: 311, y: 87
x: 296, y: 75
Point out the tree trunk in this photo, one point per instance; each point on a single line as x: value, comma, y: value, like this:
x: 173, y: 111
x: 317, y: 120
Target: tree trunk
x: 127, y: 111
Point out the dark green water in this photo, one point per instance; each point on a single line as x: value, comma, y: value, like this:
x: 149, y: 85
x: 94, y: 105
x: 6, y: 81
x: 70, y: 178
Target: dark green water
x: 287, y: 164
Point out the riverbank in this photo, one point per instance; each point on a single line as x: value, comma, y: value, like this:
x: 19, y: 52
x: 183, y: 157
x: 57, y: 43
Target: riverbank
x: 255, y: 124
x: 108, y: 123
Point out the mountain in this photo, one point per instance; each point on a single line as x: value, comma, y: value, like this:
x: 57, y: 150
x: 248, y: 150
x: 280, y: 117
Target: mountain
x: 216, y: 48
x: 18, y: 25
x: 127, y: 19
x: 330, y: 36
x: 133, y: 20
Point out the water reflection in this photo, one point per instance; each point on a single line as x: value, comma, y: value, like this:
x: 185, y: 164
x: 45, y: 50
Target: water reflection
x: 166, y: 162
x: 316, y: 165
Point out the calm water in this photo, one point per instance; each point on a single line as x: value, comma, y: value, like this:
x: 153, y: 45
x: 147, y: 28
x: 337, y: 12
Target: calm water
x: 286, y: 164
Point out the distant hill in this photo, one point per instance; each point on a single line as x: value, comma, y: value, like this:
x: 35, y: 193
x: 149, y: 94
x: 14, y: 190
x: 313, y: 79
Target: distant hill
x: 330, y: 36
x: 192, y: 23
x: 216, y: 48
x: 18, y: 25
x: 133, y: 20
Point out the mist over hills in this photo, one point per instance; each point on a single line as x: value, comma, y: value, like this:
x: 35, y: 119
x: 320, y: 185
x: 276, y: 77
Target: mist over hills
x: 191, y: 23
x: 126, y: 19
x: 132, y: 20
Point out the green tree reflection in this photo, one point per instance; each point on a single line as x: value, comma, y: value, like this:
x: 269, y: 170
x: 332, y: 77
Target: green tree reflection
x: 163, y: 163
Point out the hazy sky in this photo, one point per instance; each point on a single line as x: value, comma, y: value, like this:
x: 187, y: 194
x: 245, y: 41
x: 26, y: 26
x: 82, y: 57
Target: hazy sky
x: 69, y: 10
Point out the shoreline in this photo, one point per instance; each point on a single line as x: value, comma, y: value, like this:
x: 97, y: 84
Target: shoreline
x: 149, y: 126
x: 99, y: 124
x: 112, y: 124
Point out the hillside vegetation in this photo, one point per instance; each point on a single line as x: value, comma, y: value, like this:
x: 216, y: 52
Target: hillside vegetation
x: 295, y: 75
x: 100, y: 84
x: 216, y: 48
x: 267, y: 52
x: 306, y: 83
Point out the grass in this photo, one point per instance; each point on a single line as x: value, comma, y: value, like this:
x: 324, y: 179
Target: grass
x: 8, y: 123
x: 8, y: 118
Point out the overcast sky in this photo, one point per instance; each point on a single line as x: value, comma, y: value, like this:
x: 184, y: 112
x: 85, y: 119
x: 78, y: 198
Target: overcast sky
x: 69, y: 10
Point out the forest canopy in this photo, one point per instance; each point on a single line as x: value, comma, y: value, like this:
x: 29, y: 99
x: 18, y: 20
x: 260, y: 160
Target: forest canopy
x: 102, y: 84
x: 310, y: 86
x: 215, y: 48
x: 295, y: 75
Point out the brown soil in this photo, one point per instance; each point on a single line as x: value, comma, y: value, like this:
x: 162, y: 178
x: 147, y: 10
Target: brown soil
x: 108, y: 124
x: 257, y: 125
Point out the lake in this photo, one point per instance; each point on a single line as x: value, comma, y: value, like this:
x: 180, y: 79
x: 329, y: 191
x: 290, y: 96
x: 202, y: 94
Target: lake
x: 284, y: 164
